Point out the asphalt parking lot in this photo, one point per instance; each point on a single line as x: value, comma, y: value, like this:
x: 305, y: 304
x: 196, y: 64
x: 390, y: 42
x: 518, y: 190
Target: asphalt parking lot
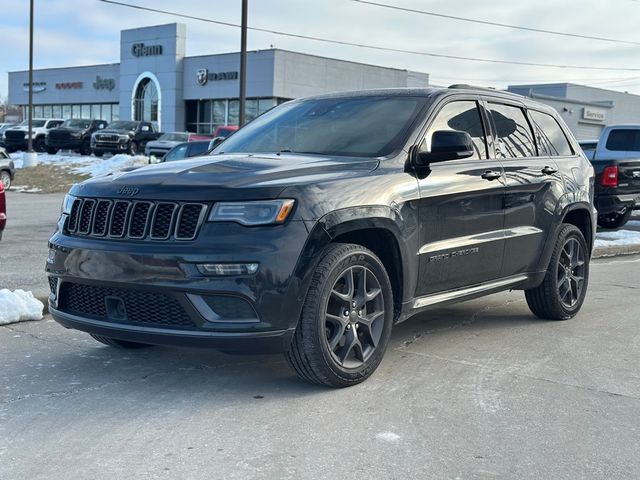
x: 478, y: 390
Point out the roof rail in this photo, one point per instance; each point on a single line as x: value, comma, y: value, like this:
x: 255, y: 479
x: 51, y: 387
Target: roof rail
x: 465, y: 86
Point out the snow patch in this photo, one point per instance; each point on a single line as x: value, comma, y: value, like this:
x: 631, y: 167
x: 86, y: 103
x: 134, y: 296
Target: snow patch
x: 86, y: 164
x: 19, y: 306
x: 617, y: 238
x: 388, y: 437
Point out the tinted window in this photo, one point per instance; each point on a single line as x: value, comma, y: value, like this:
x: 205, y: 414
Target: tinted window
x: 177, y: 153
x: 463, y: 116
x: 198, y: 148
x: 364, y: 126
x: 550, y: 137
x: 624, y: 140
x: 514, y: 137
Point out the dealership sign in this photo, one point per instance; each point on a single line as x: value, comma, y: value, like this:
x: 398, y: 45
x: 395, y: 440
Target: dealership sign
x: 142, y: 50
x: 68, y: 85
x: 104, y: 83
x: 203, y: 76
x: 593, y: 114
x: 36, y: 86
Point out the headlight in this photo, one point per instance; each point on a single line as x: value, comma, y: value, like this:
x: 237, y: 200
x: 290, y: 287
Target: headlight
x: 67, y: 203
x: 266, y: 212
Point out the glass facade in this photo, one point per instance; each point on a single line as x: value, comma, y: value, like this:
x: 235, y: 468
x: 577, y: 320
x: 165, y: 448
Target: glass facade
x: 103, y: 111
x: 204, y: 116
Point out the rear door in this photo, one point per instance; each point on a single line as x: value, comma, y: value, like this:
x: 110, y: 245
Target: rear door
x: 461, y: 207
x: 534, y: 186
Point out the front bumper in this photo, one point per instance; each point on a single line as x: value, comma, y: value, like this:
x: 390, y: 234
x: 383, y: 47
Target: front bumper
x: 617, y: 203
x: 71, y: 144
x: 163, y: 297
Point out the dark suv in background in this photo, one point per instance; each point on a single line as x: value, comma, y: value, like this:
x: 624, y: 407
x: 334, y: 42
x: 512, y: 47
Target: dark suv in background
x: 73, y: 134
x: 322, y: 223
x: 124, y: 136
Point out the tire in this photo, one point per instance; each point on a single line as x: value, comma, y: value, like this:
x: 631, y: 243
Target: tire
x: 38, y: 144
x: 358, y: 339
x: 112, y: 342
x: 85, y: 148
x: 52, y: 151
x: 614, y: 220
x: 5, y: 179
x: 133, y: 148
x: 561, y: 295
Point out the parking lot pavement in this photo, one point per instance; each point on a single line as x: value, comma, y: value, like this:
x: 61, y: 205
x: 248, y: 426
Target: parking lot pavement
x: 23, y: 251
x: 477, y: 390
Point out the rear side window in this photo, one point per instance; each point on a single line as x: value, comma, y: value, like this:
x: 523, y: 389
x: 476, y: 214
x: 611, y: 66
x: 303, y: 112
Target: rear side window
x: 463, y: 116
x: 624, y: 140
x: 514, y: 138
x: 551, y: 139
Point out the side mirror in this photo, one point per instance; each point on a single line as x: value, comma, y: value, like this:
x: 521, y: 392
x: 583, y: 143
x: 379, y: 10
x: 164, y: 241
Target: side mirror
x: 447, y: 145
x: 215, y: 142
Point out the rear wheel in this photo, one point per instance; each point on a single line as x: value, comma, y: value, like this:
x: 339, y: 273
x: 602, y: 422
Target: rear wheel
x: 561, y: 294
x: 346, y: 319
x: 113, y: 342
x: 52, y: 151
x: 5, y: 179
x: 614, y: 220
x: 85, y: 148
x: 39, y: 145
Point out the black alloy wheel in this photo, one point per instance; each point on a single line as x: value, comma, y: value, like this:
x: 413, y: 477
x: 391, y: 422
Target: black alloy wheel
x: 561, y: 294
x: 5, y: 179
x: 614, y: 220
x: 346, y: 318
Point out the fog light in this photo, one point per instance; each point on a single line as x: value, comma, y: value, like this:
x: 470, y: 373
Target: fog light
x: 225, y: 269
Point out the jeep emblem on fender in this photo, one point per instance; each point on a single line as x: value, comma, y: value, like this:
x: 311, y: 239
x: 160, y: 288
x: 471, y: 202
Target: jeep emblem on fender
x: 128, y: 191
x: 202, y: 75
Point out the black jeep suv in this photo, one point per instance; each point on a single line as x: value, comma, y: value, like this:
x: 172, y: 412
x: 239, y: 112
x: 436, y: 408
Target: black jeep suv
x: 74, y: 134
x: 316, y: 227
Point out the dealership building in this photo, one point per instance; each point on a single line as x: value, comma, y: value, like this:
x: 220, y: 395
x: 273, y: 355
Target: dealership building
x: 156, y: 81
x: 586, y: 110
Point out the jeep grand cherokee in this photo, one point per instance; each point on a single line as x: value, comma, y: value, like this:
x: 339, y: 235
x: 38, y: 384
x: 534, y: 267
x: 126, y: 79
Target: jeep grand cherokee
x: 315, y: 228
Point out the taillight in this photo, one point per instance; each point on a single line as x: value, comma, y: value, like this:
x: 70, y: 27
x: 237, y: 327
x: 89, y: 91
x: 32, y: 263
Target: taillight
x: 610, y: 176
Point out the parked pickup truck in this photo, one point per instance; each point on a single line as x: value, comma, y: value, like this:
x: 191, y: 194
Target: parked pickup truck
x: 616, y: 161
x: 124, y: 137
x: 15, y: 138
x: 74, y: 134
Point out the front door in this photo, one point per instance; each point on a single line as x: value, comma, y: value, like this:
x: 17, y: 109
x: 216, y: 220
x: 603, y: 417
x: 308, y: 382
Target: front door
x: 461, y: 208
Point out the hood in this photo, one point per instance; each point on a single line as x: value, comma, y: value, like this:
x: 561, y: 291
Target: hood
x: 225, y: 177
x: 114, y: 130
x: 164, y: 143
x: 68, y: 129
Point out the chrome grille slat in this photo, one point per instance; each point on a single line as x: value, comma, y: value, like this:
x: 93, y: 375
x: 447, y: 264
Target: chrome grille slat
x: 135, y: 219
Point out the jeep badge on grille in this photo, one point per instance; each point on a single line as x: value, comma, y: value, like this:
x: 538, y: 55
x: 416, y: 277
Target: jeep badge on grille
x: 128, y: 191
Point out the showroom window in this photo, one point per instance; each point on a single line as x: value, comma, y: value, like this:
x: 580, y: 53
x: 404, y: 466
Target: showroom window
x: 102, y: 111
x: 145, y: 106
x: 204, y: 116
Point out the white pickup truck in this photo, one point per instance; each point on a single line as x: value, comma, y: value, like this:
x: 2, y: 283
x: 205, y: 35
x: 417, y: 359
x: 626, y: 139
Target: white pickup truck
x: 15, y: 138
x: 616, y: 160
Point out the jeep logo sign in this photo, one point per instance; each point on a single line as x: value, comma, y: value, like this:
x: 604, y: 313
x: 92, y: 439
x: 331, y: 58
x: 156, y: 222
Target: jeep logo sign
x: 128, y: 191
x: 104, y: 83
x: 142, y: 50
x: 203, y: 76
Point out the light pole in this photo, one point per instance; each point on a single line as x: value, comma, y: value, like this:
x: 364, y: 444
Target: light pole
x: 29, y: 138
x: 243, y: 64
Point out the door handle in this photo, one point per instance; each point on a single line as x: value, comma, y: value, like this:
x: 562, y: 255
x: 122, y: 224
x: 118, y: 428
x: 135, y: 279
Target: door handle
x: 491, y: 175
x: 548, y: 170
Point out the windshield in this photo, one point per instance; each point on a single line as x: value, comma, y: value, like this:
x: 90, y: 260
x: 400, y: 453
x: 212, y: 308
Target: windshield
x: 174, y: 137
x: 36, y: 123
x: 122, y: 125
x: 346, y: 126
x: 77, y: 123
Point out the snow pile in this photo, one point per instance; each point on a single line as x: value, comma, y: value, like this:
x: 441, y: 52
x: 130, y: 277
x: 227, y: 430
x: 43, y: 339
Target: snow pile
x: 617, y: 238
x: 113, y: 164
x: 86, y: 164
x: 18, y: 306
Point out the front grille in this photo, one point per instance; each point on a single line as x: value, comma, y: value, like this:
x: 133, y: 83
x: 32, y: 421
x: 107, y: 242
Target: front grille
x: 142, y: 307
x: 135, y: 219
x: 14, y: 135
x: 108, y: 138
x: 59, y: 136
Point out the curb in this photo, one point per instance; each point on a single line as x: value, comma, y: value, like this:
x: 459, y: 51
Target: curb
x: 616, y: 251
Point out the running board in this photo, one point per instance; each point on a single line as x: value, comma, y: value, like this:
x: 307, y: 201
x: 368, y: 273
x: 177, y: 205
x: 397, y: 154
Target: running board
x: 467, y: 293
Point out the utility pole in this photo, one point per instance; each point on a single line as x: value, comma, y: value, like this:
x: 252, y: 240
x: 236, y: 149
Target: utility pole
x: 29, y: 138
x: 243, y: 64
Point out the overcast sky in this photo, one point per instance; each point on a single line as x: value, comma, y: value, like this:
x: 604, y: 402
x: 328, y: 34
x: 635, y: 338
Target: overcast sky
x: 84, y: 32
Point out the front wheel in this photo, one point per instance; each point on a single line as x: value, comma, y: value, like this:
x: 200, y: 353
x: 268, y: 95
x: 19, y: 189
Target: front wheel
x: 113, y: 342
x: 39, y: 145
x: 133, y: 148
x: 5, y: 179
x: 346, y: 319
x: 85, y: 148
x: 561, y: 295
x: 614, y: 220
x: 52, y: 151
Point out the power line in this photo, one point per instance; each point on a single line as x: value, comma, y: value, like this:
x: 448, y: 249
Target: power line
x: 495, y: 24
x: 371, y: 47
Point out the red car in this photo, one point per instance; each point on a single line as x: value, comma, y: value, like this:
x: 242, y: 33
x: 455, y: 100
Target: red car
x: 224, y: 131
x: 3, y: 210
